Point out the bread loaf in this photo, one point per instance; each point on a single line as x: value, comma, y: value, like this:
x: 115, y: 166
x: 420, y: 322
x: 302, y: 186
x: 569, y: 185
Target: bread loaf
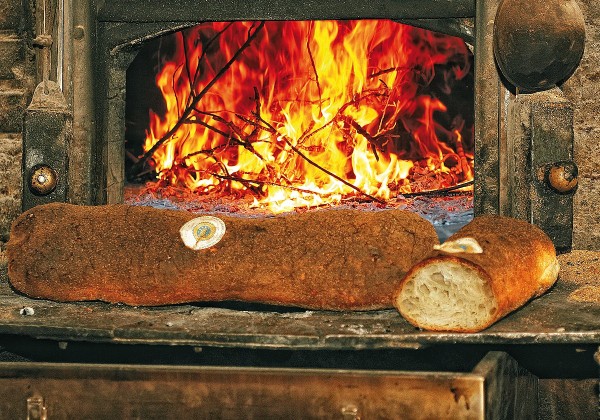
x: 486, y: 270
x: 327, y: 259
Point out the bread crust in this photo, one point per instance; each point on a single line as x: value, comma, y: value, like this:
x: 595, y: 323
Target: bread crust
x: 518, y: 262
x: 329, y: 259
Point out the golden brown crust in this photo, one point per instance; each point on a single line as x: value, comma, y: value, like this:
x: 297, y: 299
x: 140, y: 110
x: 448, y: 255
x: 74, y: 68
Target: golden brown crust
x: 516, y: 256
x: 518, y: 261
x: 330, y: 259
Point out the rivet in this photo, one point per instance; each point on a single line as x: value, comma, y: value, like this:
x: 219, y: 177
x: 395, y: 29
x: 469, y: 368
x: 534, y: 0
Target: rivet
x: 42, y: 180
x: 78, y: 32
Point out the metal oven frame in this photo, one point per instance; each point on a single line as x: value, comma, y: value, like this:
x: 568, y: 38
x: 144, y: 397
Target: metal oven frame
x: 517, y: 137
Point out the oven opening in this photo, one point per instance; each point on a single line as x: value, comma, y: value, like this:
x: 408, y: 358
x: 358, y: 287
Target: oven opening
x: 284, y: 116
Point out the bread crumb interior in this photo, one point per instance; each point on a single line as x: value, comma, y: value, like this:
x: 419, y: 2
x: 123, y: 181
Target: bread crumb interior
x: 447, y: 295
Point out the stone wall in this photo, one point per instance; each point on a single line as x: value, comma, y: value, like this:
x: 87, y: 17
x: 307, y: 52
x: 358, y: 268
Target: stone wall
x: 17, y: 74
x: 17, y: 63
x: 583, y: 89
x: 16, y: 83
x: 10, y: 180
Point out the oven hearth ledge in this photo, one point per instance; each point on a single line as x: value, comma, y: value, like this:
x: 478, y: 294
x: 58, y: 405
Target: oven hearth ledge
x: 568, y: 314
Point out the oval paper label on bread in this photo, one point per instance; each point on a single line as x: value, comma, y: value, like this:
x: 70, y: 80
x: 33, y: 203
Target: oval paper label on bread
x: 202, y: 232
x: 461, y: 245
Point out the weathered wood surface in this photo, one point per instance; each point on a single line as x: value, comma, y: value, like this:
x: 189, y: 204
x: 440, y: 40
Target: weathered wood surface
x: 552, y: 318
x: 511, y: 392
x: 488, y: 93
x: 81, y: 391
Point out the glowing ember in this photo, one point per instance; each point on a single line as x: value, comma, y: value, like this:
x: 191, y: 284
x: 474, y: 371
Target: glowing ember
x: 305, y: 113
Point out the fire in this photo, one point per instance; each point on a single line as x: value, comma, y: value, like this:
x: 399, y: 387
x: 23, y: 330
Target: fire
x: 302, y: 113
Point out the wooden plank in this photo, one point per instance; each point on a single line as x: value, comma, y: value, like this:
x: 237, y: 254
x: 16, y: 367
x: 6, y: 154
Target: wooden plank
x: 510, y: 391
x: 225, y: 395
x: 126, y: 391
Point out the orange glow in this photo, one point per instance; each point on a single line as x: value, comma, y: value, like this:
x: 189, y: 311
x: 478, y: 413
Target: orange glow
x: 305, y: 106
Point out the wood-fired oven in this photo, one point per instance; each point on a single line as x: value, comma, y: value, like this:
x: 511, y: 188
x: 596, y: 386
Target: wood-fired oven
x: 259, y: 361
x: 515, y: 147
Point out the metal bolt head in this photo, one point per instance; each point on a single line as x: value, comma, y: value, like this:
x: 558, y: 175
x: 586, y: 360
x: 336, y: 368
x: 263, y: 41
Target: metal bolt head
x: 78, y: 32
x: 42, y: 180
x: 562, y: 176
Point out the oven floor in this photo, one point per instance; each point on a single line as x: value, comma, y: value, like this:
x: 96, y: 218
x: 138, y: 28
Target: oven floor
x: 568, y: 314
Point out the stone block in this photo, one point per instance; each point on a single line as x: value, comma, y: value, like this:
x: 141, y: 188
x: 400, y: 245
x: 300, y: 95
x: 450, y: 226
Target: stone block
x: 12, y: 106
x: 11, y: 12
x: 587, y: 152
x: 586, y: 217
x: 3, y: 257
x: 12, y: 56
x: 10, y: 181
x: 10, y: 208
x: 583, y: 89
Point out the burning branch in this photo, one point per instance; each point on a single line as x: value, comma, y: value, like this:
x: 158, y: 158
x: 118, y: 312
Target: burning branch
x: 203, y: 55
x: 238, y: 139
x: 438, y: 191
x: 187, y: 64
x: 196, y: 98
x: 361, y: 130
x: 246, y: 181
x: 276, y: 142
x: 275, y: 132
x: 312, y: 62
x: 331, y: 174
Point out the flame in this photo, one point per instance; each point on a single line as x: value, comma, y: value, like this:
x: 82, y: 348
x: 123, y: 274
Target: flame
x: 303, y: 113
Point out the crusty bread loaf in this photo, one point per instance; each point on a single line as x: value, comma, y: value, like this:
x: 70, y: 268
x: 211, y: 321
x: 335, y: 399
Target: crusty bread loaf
x: 486, y: 270
x: 327, y: 259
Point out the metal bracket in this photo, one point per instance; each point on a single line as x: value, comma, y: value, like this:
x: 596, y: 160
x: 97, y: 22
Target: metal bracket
x: 47, y: 132
x: 542, y: 177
